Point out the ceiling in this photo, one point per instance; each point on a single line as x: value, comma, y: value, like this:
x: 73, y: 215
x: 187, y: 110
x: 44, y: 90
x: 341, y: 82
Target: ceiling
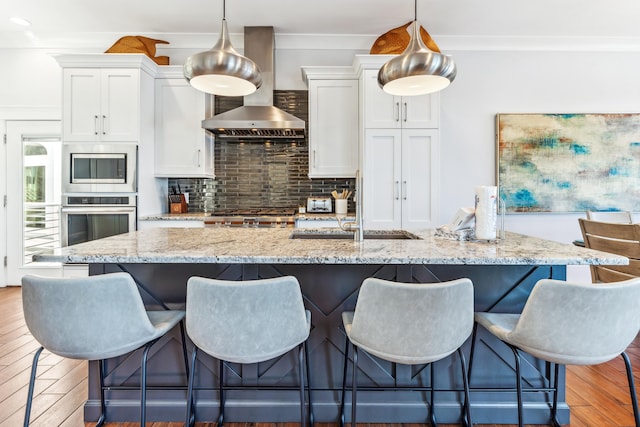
x: 59, y: 23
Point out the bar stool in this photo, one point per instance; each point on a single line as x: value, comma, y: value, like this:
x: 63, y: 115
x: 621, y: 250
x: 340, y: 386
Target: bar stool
x: 409, y: 323
x: 247, y: 322
x: 570, y: 324
x: 93, y: 318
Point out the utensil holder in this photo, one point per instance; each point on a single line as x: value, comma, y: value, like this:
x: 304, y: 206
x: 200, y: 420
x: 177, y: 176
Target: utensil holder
x: 341, y: 206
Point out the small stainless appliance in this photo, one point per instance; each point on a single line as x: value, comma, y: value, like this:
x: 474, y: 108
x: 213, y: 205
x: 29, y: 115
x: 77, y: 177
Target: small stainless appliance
x: 319, y: 204
x: 104, y: 168
x: 94, y: 216
x: 258, y: 217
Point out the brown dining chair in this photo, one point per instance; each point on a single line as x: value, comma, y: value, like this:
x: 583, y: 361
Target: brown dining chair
x: 620, y: 239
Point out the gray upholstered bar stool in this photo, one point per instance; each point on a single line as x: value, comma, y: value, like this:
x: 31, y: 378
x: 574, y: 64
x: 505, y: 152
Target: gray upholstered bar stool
x: 247, y: 322
x: 93, y: 318
x: 570, y: 324
x: 409, y: 323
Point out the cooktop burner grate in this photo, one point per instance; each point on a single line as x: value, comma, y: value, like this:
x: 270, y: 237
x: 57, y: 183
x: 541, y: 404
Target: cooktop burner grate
x: 255, y: 212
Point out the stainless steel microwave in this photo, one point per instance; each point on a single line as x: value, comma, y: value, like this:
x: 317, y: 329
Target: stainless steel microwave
x: 99, y: 168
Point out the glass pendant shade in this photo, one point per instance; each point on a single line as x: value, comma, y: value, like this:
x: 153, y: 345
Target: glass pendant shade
x: 418, y: 70
x: 222, y: 70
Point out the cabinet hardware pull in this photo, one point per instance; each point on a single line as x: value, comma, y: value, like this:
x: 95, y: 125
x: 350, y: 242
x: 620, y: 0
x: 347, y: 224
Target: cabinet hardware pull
x: 405, y: 111
x: 198, y: 158
x: 95, y: 124
x: 104, y: 124
x: 397, y: 190
x: 404, y: 190
x: 314, y: 159
x: 397, y: 111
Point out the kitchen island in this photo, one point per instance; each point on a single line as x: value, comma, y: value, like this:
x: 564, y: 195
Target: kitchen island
x: 330, y: 272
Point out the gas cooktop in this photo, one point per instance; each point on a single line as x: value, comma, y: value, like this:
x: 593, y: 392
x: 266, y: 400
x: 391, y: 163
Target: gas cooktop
x: 253, y: 217
x: 255, y: 212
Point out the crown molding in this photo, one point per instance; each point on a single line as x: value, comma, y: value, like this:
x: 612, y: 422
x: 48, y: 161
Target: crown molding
x: 99, y: 42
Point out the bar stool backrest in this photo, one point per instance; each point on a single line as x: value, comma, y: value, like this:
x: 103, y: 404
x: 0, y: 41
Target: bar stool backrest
x: 412, y: 323
x: 578, y: 323
x: 246, y: 321
x: 89, y: 318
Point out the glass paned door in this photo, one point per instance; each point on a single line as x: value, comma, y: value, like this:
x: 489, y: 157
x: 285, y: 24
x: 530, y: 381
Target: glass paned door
x: 33, y: 196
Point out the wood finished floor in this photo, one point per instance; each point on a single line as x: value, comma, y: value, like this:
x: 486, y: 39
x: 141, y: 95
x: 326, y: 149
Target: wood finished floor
x: 597, y: 395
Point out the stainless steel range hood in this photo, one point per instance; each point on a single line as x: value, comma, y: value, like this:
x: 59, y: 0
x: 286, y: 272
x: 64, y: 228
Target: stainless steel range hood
x: 258, y: 118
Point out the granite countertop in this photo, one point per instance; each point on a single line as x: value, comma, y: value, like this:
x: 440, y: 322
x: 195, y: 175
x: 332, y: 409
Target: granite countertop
x: 274, y: 246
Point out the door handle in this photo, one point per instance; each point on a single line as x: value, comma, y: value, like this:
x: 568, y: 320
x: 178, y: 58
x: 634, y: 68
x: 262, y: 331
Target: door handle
x: 396, y: 192
x: 199, y: 157
x: 104, y: 124
x: 405, y: 112
x: 404, y: 190
x: 314, y: 159
x: 95, y: 124
x: 397, y: 111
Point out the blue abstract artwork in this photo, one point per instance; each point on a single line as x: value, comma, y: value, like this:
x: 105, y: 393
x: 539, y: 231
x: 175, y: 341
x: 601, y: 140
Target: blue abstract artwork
x: 568, y: 162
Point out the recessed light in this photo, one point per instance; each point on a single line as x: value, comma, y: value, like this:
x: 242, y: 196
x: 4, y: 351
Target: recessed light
x: 20, y: 21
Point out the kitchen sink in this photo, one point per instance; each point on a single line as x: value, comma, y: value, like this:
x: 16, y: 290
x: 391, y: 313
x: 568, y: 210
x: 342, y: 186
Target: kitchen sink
x: 345, y: 235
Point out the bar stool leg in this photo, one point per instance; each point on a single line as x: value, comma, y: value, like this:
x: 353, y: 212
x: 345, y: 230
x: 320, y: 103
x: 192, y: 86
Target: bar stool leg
x: 632, y: 388
x: 306, y: 360
x: 465, y: 381
x: 344, y: 381
x: 103, y: 405
x: 32, y: 380
x: 191, y: 415
x: 354, y: 386
x: 221, y: 392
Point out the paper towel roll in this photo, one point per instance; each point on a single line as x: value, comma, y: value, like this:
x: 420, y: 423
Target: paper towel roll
x: 486, y: 212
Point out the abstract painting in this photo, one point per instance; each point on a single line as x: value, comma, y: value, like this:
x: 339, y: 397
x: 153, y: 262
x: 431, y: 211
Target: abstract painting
x: 568, y: 162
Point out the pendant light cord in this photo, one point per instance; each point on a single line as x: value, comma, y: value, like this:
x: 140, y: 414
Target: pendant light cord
x: 224, y: 12
x: 415, y: 10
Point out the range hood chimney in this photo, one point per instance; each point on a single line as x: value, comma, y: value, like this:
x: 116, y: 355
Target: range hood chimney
x: 258, y: 118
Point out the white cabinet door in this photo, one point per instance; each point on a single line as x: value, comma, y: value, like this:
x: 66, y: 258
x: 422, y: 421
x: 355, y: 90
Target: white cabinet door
x: 333, y: 128
x: 101, y: 105
x: 381, y: 176
x: 419, y: 183
x: 400, y: 178
x: 120, y: 102
x: 182, y: 147
x: 382, y: 110
x: 81, y: 104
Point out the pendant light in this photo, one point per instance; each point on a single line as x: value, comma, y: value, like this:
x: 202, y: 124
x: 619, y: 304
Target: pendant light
x: 222, y: 70
x: 418, y: 70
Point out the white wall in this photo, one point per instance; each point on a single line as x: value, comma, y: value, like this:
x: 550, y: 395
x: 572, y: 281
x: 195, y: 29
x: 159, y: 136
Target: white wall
x: 523, y: 82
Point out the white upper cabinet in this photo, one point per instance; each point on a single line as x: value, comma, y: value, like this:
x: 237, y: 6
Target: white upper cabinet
x: 182, y: 147
x: 333, y: 122
x: 384, y: 111
x: 399, y: 153
x: 101, y: 104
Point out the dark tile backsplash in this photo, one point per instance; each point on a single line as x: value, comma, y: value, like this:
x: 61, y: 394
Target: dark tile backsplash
x: 260, y: 173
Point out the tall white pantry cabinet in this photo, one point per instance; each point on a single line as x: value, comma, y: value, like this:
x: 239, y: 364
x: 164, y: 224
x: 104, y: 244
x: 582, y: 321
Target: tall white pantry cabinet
x: 399, y: 154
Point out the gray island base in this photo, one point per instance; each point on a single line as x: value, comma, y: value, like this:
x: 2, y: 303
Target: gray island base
x: 330, y: 273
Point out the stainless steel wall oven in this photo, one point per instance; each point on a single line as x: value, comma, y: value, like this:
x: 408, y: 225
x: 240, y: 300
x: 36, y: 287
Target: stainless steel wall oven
x: 91, y: 217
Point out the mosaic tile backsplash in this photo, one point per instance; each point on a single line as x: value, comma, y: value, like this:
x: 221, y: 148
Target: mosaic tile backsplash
x: 260, y: 174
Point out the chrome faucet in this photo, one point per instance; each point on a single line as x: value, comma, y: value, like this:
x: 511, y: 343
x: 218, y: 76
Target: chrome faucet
x: 357, y: 225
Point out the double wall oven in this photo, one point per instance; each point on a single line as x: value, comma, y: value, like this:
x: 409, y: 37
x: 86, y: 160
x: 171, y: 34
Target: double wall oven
x: 99, y: 191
